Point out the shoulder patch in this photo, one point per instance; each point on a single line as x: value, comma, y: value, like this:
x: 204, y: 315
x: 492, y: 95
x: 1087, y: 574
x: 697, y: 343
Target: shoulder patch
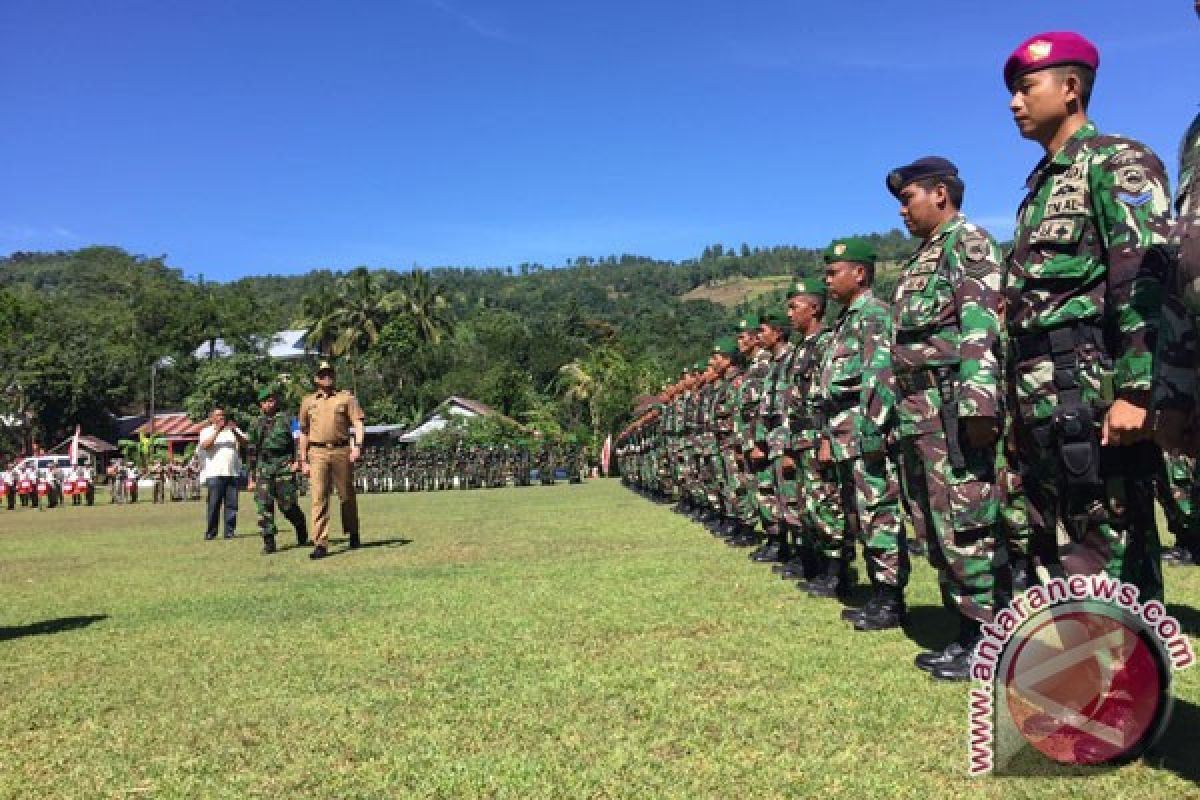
x: 1135, y: 200
x: 1132, y: 178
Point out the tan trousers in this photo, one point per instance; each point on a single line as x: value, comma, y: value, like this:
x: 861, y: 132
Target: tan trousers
x: 331, y: 468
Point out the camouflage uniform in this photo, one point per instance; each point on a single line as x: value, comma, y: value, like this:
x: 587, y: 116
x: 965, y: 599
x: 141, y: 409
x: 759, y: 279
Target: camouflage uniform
x: 724, y: 410
x: 1083, y: 301
x: 856, y: 389
x: 820, y: 520
x: 272, y: 451
x: 771, y: 435
x: 750, y: 397
x: 946, y: 320
x: 1178, y: 352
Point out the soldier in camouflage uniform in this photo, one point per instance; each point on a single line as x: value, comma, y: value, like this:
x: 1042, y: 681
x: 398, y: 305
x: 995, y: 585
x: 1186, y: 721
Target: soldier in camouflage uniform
x: 813, y: 513
x: 1177, y: 496
x: 770, y: 439
x: 946, y: 317
x: 1175, y: 385
x: 749, y: 397
x: 724, y: 400
x: 1083, y: 306
x: 271, y: 466
x: 857, y: 389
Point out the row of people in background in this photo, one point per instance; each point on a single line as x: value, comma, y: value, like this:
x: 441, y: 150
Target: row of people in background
x: 387, y: 469
x: 1001, y: 401
x: 32, y: 487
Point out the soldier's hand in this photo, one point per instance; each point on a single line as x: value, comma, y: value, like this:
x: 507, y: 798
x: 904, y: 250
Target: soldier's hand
x: 981, y: 432
x: 355, y: 452
x: 250, y: 485
x: 1125, y: 423
x: 789, y: 462
x: 304, y: 467
x: 825, y: 452
x: 757, y: 454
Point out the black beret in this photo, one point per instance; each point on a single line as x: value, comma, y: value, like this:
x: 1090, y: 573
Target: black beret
x: 927, y: 167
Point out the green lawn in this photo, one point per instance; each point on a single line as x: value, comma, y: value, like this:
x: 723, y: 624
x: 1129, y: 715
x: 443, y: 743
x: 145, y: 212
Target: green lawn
x: 557, y: 642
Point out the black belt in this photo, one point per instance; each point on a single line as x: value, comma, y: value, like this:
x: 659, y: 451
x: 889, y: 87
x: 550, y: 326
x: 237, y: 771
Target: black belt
x: 833, y: 406
x: 802, y: 424
x: 330, y: 445
x: 1059, y: 340
x: 920, y: 380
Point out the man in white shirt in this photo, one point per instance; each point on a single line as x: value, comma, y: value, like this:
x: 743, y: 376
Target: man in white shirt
x: 219, y: 470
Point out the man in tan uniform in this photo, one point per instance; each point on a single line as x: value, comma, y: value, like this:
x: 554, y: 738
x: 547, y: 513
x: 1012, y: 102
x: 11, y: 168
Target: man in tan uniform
x: 331, y: 439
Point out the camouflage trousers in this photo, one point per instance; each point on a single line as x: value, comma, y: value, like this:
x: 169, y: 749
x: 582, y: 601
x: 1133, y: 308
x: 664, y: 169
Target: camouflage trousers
x: 766, y: 500
x: 1177, y: 494
x: 955, y: 512
x: 274, y: 489
x: 822, y: 519
x: 1111, y: 526
x: 1014, y: 509
x: 870, y: 494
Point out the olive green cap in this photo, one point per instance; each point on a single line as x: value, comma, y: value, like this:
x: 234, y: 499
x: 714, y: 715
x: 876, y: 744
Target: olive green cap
x: 726, y: 345
x: 748, y: 323
x: 266, y: 392
x: 858, y: 251
x: 808, y: 286
x: 776, y: 319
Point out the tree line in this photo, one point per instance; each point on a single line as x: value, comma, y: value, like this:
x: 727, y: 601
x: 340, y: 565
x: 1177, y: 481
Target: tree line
x: 564, y: 350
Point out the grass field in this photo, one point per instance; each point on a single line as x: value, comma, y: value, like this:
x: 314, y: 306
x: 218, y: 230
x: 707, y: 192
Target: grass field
x: 564, y: 642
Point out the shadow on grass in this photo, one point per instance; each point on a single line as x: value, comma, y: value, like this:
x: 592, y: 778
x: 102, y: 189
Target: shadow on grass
x: 1188, y: 617
x: 930, y: 627
x: 369, y: 543
x: 1176, y: 750
x: 50, y: 626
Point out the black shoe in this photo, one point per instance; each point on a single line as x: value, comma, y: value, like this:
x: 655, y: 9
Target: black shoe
x: 956, y: 669
x: 916, y: 548
x: 889, y: 613
x: 301, y: 539
x: 208, y: 537
x: 932, y: 659
x: 318, y: 552
x: 1184, y: 559
x: 355, y: 542
x: 268, y: 545
x: 1170, y: 554
x: 230, y: 535
x: 769, y: 553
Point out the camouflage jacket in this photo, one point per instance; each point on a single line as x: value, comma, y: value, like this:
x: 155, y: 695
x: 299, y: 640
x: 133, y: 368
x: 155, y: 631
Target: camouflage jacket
x: 772, y: 431
x: 1175, y: 381
x: 272, y: 448
x: 856, y: 386
x: 946, y: 313
x: 725, y: 402
x: 750, y: 395
x: 1095, y: 212
x: 803, y: 405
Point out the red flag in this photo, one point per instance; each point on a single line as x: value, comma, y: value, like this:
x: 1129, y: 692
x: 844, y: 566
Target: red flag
x: 605, y: 454
x: 75, y: 447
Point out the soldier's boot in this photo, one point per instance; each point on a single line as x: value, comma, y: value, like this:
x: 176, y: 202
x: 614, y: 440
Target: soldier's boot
x: 301, y: 535
x: 835, y: 583
x: 855, y: 614
x: 889, y: 613
x: 916, y: 547
x: 776, y: 549
x: 355, y: 542
x: 268, y: 544
x: 745, y: 537
x: 958, y: 668
x: 968, y: 633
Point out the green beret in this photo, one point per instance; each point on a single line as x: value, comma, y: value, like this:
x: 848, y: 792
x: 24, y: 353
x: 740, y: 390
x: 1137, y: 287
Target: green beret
x: 267, y: 391
x: 700, y: 366
x: 857, y: 251
x: 748, y: 323
x: 776, y: 319
x: 809, y: 286
x: 726, y: 346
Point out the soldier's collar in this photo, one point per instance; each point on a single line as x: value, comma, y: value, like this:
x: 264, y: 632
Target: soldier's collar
x: 947, y: 226
x: 861, y: 300
x: 1066, y: 155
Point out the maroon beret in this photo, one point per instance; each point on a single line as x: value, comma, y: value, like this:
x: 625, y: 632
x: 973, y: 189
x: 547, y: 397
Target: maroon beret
x: 1052, y: 49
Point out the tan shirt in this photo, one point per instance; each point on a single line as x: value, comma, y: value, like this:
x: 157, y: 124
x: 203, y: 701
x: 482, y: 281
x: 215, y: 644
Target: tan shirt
x: 328, y: 418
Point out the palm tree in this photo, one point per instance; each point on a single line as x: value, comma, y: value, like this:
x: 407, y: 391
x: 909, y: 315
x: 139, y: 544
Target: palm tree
x: 320, y: 320
x: 426, y: 305
x: 363, y: 308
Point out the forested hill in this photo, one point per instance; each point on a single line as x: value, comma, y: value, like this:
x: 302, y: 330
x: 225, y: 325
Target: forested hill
x: 563, y: 348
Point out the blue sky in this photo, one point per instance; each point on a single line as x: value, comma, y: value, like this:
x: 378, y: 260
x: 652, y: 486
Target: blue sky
x: 276, y: 137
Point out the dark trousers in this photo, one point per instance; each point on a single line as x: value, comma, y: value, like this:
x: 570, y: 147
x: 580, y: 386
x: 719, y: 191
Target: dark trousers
x: 222, y: 490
